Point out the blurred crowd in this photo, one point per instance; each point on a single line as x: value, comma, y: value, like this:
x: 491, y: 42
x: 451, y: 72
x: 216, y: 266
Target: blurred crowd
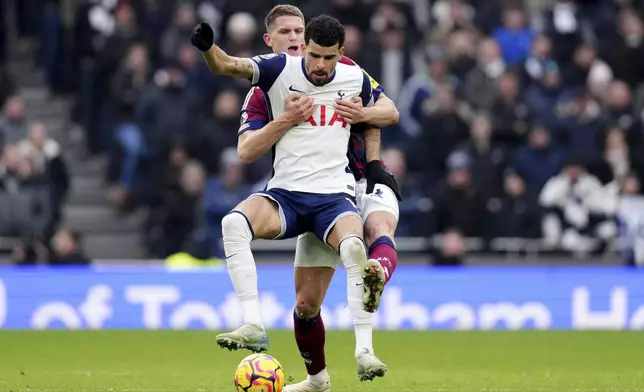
x: 517, y: 118
x: 33, y: 184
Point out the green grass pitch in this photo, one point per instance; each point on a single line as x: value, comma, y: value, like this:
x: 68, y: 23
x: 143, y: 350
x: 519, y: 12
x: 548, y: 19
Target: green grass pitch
x: 164, y: 361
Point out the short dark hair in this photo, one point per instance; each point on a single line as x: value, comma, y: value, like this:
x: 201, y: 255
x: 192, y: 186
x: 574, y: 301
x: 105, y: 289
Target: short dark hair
x: 282, y: 10
x: 325, y: 31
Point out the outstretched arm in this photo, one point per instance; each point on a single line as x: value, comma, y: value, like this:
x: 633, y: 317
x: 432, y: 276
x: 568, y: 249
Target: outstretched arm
x: 222, y: 64
x: 219, y: 61
x: 382, y: 113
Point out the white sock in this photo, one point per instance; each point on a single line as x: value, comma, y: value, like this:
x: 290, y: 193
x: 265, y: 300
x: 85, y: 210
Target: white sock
x: 320, y: 378
x: 362, y: 321
x: 241, y: 265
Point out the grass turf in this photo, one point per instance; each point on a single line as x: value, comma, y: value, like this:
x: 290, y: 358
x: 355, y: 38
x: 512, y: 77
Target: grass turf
x: 164, y: 361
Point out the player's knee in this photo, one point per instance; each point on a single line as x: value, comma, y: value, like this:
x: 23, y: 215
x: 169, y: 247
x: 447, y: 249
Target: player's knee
x: 236, y: 229
x: 351, y: 246
x: 307, y: 308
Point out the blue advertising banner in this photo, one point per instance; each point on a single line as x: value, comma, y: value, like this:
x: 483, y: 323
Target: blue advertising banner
x: 417, y: 298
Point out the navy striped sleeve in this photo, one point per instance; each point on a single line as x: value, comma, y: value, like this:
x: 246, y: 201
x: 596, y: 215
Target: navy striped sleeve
x: 366, y: 93
x: 266, y: 69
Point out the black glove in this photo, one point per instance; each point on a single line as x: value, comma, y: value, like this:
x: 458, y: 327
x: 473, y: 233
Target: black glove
x: 377, y: 174
x: 202, y: 36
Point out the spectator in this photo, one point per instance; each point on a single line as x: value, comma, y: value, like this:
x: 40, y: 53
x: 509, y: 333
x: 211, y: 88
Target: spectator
x: 415, y: 206
x: 516, y: 213
x: 67, y: 249
x: 420, y: 87
x: 480, y: 83
x: 629, y: 214
x: 7, y: 86
x: 389, y: 56
x: 514, y: 38
x: 443, y: 129
x: 487, y: 159
x: 580, y: 124
x: 167, y: 109
x: 511, y: 118
x: 222, y: 194
x: 458, y: 204
x: 578, y: 209
x: 242, y: 32
x: 46, y: 155
x: 617, y: 161
x: 25, y: 199
x: 584, y: 67
x: 452, y: 251
x: 450, y: 16
x: 625, y: 55
x: 619, y: 110
x: 179, y: 32
x: 535, y: 65
x: 13, y: 122
x: 461, y: 52
x: 218, y: 131
x: 563, y: 25
x: 172, y: 222
x: 542, y: 96
x: 539, y: 161
x: 353, y: 41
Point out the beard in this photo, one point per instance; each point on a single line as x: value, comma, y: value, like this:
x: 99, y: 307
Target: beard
x: 319, y: 82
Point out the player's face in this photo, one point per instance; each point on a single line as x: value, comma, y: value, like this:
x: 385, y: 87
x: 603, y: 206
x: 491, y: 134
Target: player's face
x: 286, y: 35
x: 321, y: 61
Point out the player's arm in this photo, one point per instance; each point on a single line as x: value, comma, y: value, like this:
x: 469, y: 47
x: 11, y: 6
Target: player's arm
x: 264, y: 134
x: 380, y: 112
x: 372, y: 143
x: 375, y: 171
x: 219, y: 61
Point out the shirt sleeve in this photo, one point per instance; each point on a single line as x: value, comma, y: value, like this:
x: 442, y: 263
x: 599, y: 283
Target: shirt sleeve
x: 254, y: 112
x: 376, y: 88
x: 266, y: 69
x: 367, y: 91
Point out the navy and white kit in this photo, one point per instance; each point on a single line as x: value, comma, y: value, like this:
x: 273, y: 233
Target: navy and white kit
x: 310, y: 251
x: 311, y: 181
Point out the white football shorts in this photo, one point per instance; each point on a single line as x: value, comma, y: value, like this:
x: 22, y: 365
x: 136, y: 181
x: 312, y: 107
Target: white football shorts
x: 311, y: 252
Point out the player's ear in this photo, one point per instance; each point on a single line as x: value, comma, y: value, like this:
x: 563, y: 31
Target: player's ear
x: 267, y: 40
x: 341, y: 52
x: 303, y: 46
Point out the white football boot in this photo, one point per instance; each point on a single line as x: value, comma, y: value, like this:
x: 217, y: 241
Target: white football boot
x: 321, y: 382
x: 369, y: 366
x: 249, y: 337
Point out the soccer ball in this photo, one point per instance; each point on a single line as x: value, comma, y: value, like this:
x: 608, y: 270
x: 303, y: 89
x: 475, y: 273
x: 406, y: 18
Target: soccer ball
x: 259, y: 373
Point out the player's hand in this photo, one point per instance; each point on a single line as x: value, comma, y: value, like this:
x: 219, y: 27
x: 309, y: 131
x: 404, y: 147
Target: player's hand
x: 202, y: 36
x: 298, y: 108
x: 351, y: 110
x: 377, y: 174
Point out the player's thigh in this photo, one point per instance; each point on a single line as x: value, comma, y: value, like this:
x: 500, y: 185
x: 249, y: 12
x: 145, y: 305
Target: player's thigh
x: 379, y: 224
x: 380, y: 213
x: 310, y: 251
x: 311, y: 285
x: 263, y: 215
x: 346, y: 226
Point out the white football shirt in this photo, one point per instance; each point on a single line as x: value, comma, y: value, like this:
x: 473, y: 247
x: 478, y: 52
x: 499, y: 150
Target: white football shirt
x: 310, y: 157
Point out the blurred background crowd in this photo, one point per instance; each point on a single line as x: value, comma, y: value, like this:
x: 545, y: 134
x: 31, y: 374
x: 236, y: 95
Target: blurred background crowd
x: 520, y: 121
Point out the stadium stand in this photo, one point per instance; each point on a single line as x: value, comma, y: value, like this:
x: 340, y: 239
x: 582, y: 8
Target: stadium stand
x: 520, y: 135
